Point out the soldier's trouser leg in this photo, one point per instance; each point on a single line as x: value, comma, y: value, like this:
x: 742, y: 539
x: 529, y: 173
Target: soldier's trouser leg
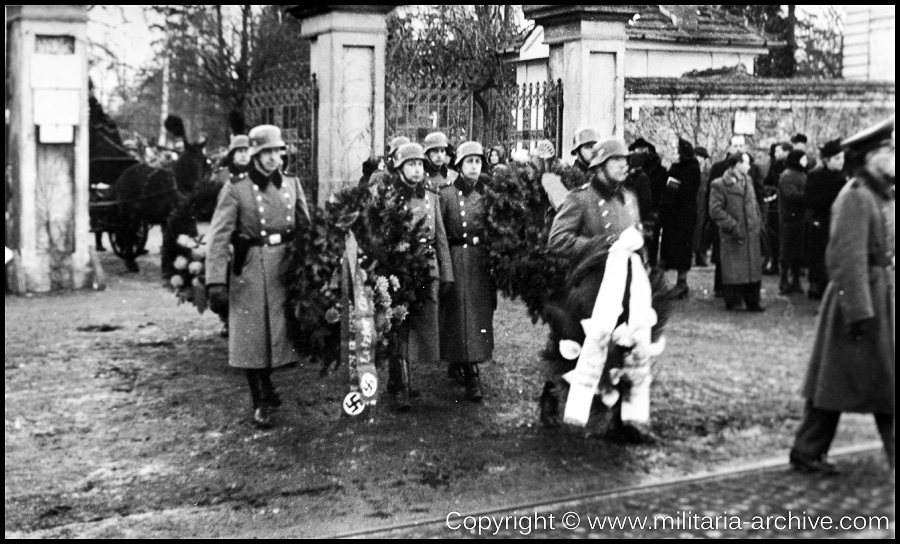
x: 816, y: 431
x: 885, y: 424
x: 265, y: 385
x: 255, y: 390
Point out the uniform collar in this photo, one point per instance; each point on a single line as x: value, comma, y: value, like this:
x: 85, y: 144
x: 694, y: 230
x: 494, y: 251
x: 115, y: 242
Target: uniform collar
x: 608, y: 192
x: 467, y: 186
x: 261, y: 180
x: 433, y: 170
x: 409, y: 191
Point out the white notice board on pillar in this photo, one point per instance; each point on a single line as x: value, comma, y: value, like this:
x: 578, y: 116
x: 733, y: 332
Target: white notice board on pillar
x: 745, y: 122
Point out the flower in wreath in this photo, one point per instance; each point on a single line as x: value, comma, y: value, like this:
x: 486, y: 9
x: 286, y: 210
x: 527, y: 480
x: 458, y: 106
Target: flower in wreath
x: 199, y: 253
x: 181, y: 263
x: 332, y: 315
x: 186, y: 241
x: 395, y: 283
x: 195, y: 268
x: 177, y: 281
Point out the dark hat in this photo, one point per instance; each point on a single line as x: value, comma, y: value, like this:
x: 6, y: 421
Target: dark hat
x: 870, y: 138
x: 640, y: 142
x: 831, y: 148
x: 793, y: 160
x: 685, y: 148
x: 799, y: 138
x: 701, y: 152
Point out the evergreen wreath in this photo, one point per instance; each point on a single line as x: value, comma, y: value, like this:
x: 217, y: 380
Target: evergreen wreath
x: 517, y: 227
x: 393, y: 252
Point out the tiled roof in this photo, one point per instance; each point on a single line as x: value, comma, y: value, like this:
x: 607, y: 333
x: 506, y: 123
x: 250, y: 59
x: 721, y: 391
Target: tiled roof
x: 707, y: 26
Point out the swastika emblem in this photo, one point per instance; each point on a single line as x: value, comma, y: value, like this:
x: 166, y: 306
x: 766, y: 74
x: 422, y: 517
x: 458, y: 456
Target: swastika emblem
x: 368, y: 383
x: 353, y: 403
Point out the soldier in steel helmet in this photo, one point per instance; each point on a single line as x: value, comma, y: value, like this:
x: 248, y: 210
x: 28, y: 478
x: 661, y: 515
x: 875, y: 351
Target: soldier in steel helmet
x: 258, y: 212
x: 467, y: 305
x: 419, y: 340
x: 236, y: 161
x: 380, y: 178
x: 437, y: 171
x: 589, y: 221
x: 583, y: 148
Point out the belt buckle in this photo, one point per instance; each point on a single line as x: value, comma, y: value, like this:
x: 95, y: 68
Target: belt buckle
x: 274, y: 239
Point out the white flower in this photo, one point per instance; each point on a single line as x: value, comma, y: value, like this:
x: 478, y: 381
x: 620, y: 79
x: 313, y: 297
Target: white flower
x: 332, y: 315
x: 198, y: 253
x: 186, y: 241
x: 400, y: 312
x: 195, y: 268
x: 403, y: 247
x: 177, y: 281
x: 197, y: 282
x: 395, y: 283
x: 382, y: 284
x: 569, y: 349
x: 180, y: 263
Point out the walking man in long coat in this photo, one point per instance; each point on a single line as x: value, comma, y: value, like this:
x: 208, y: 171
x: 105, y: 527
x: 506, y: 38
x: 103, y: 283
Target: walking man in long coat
x: 467, y: 309
x: 852, y: 363
x: 419, y: 343
x: 258, y: 213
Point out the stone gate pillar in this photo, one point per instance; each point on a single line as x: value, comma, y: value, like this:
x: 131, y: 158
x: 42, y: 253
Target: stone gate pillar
x: 587, y: 52
x: 48, y: 146
x: 347, y: 56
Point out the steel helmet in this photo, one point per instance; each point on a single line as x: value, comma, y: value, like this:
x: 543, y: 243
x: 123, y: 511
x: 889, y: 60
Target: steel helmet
x: 608, y: 148
x: 435, y: 140
x: 265, y: 137
x: 467, y: 149
x: 585, y: 135
x: 396, y: 143
x: 409, y: 152
x: 238, y: 142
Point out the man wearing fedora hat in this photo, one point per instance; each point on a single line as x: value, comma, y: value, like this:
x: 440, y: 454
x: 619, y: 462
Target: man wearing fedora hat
x: 822, y: 187
x: 258, y: 213
x: 852, y: 364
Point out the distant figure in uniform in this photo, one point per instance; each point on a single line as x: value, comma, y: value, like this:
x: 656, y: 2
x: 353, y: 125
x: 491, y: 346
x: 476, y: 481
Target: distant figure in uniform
x: 583, y: 148
x: 258, y: 213
x: 381, y: 176
x: 467, y: 306
x: 852, y: 364
x: 436, y: 169
x: 236, y: 161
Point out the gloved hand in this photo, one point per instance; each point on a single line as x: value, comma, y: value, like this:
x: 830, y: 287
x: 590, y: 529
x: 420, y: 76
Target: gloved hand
x: 218, y: 298
x: 445, y: 289
x: 859, y: 329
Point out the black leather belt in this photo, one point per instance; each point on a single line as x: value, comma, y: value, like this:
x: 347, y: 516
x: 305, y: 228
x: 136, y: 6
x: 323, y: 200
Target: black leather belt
x: 275, y: 239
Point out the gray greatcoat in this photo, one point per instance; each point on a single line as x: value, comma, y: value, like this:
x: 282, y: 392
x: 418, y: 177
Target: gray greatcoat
x: 256, y: 298
x: 847, y: 375
x: 419, y: 339
x: 467, y: 314
x: 735, y: 211
x: 590, y: 220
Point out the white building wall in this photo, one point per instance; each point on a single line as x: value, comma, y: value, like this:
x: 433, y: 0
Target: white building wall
x: 869, y: 43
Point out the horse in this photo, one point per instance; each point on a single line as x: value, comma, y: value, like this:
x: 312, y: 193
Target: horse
x: 147, y: 194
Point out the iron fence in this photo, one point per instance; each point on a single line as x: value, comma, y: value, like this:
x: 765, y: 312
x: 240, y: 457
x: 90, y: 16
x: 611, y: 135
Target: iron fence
x: 291, y: 103
x: 514, y: 116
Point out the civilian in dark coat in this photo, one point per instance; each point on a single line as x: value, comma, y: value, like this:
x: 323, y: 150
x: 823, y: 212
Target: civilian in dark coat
x: 822, y: 187
x: 777, y: 156
x: 657, y: 175
x: 852, y: 363
x: 638, y: 183
x: 791, y: 209
x: 678, y: 215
